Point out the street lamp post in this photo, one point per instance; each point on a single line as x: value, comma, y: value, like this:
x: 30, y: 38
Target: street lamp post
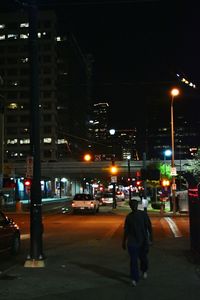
x: 167, y: 153
x: 1, y: 136
x: 174, y: 93
x: 129, y: 176
x: 113, y: 171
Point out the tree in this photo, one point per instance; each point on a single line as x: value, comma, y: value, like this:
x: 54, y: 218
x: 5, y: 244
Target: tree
x: 194, y: 167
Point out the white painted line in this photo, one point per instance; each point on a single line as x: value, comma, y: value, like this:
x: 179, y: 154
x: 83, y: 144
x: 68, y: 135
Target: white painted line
x: 173, y: 227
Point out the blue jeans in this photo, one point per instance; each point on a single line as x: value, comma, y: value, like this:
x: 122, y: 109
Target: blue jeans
x: 138, y: 254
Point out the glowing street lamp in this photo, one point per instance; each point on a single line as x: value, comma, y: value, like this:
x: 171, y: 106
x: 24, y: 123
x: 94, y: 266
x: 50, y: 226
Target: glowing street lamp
x: 174, y: 93
x: 114, y: 171
x: 167, y: 153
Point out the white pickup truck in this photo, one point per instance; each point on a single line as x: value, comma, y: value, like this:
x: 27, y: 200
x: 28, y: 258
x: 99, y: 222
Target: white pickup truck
x: 85, y: 202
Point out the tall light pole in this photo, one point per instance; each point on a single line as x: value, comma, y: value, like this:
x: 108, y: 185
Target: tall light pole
x: 174, y: 93
x: 1, y: 136
x: 167, y: 153
x: 113, y: 170
x: 129, y: 176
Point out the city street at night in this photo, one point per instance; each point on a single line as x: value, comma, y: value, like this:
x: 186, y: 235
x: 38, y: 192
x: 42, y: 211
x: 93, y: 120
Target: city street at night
x: 84, y: 259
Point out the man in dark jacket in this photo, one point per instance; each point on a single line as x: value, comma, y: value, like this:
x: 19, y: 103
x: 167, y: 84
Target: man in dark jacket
x: 137, y: 236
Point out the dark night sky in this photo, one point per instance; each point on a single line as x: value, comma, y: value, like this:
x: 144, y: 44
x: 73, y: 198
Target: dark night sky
x: 138, y: 47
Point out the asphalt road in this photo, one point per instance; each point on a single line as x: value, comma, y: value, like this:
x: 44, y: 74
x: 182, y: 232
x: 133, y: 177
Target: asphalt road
x: 63, y: 229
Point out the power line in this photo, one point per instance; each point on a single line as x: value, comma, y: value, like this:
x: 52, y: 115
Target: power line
x: 83, y: 3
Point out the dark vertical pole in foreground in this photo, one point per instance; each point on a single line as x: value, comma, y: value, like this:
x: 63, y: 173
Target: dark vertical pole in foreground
x: 114, y: 187
x: 36, y: 228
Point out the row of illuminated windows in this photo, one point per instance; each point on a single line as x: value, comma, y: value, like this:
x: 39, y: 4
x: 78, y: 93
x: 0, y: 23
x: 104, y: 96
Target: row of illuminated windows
x: 26, y: 105
x: 13, y: 25
x: 25, y: 141
x: 24, y: 154
x: 15, y: 36
x: 23, y: 36
x: 21, y: 25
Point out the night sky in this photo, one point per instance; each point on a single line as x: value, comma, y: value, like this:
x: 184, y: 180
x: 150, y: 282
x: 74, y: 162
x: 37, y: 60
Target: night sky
x: 138, y: 47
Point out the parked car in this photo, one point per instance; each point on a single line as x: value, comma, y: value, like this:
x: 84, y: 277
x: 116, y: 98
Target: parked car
x: 106, y: 198
x: 120, y: 196
x: 85, y: 202
x: 9, y: 235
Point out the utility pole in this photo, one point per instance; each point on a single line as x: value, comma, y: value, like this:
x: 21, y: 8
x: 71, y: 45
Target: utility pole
x: 35, y: 258
x: 129, y: 177
x: 1, y: 136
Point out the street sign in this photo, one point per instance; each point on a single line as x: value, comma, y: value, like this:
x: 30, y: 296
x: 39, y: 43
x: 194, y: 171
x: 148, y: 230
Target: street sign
x: 174, y: 187
x: 29, y: 167
x: 173, y: 171
x: 113, y: 179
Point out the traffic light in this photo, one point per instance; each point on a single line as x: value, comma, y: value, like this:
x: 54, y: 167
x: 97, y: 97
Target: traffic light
x: 87, y: 157
x: 113, y: 169
x: 27, y: 182
x: 138, y: 183
x: 165, y: 182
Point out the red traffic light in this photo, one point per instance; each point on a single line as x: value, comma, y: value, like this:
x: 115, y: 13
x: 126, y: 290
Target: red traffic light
x: 138, y: 182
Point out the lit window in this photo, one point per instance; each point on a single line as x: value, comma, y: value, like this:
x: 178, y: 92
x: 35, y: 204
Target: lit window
x: 24, y: 141
x: 22, y: 25
x: 24, y: 60
x: 62, y: 141
x: 15, y: 83
x: 12, y: 142
x: 2, y: 26
x: 47, y: 140
x: 12, y: 36
x: 12, y: 105
x: 2, y: 37
x: 24, y: 36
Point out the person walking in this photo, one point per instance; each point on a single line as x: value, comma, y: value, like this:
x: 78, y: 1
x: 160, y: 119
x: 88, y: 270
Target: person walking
x: 137, y: 236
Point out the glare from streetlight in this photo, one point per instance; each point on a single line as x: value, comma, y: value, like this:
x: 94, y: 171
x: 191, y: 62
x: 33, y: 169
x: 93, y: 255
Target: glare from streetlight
x: 175, y: 92
x: 112, y: 131
x: 168, y: 152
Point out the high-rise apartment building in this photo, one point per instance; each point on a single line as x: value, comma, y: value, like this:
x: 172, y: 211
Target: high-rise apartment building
x: 62, y: 92
x: 15, y: 90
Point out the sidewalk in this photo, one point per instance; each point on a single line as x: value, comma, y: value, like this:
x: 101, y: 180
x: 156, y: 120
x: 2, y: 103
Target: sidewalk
x: 98, y: 270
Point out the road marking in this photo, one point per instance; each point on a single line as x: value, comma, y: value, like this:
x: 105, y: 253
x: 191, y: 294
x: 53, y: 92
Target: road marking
x: 173, y: 227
